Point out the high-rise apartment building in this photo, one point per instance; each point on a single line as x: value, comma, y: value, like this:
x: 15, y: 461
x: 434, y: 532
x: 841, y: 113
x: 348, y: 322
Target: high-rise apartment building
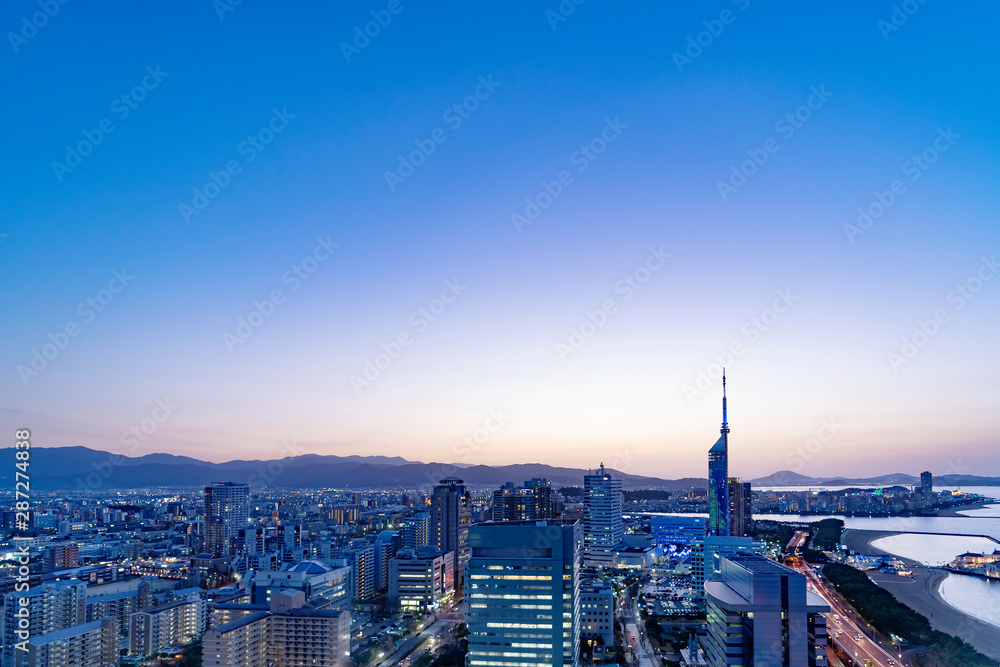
x: 602, y: 517
x: 526, y: 503
x: 167, y: 626
x: 416, y: 531
x: 926, y: 484
x: 286, y: 634
x: 227, y: 510
x: 740, y: 508
x: 718, y: 476
x: 52, y: 607
x: 450, y: 519
x: 92, y: 644
x: 762, y: 613
x: 523, y: 593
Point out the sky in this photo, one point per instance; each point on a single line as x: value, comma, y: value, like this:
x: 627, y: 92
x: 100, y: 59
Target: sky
x: 505, y: 232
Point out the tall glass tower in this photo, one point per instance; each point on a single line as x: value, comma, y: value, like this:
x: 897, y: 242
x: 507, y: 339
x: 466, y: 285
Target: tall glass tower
x: 718, y: 476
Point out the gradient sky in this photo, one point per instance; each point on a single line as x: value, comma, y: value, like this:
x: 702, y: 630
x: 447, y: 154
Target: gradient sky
x: 621, y: 397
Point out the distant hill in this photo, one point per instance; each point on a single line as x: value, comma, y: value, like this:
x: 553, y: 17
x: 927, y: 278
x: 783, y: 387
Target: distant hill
x: 81, y: 468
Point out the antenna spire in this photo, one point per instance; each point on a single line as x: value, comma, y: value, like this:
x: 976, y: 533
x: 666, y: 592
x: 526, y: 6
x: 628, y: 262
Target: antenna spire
x: 725, y: 419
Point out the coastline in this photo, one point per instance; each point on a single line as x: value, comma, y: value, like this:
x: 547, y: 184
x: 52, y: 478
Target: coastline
x: 921, y: 593
x: 957, y: 511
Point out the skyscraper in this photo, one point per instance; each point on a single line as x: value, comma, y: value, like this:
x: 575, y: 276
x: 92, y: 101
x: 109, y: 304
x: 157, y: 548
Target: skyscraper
x: 523, y: 593
x: 740, y: 508
x: 450, y: 518
x: 529, y: 502
x: 926, y: 485
x: 761, y: 613
x: 602, y: 518
x: 227, y: 510
x: 718, y: 476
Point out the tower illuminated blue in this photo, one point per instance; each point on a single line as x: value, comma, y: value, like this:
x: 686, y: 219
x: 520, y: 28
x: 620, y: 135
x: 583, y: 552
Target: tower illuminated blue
x: 718, y: 476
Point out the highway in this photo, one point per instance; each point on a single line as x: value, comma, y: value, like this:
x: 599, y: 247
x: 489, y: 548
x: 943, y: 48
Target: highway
x: 839, y: 621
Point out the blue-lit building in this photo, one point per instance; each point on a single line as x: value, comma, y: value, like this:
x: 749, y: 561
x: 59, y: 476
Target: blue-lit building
x: 718, y: 476
x: 762, y: 613
x: 677, y: 529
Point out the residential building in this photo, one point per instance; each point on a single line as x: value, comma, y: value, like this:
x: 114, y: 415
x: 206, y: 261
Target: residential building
x: 227, y: 510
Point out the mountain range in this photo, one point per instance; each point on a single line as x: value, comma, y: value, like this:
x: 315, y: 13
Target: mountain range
x: 82, y: 468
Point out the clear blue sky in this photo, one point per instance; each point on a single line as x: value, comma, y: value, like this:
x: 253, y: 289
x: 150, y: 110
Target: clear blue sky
x: 660, y: 131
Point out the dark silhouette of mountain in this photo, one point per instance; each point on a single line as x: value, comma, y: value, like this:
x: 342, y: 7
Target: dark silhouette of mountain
x: 81, y: 468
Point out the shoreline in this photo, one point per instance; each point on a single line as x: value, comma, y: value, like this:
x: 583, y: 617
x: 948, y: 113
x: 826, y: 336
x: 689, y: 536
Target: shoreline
x: 921, y: 592
x: 957, y: 511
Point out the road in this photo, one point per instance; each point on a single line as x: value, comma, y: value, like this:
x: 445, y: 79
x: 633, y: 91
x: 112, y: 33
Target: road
x: 866, y: 647
x: 441, y: 626
x: 636, y: 642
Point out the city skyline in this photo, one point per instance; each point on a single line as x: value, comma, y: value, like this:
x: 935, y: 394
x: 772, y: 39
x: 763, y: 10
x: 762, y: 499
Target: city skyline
x: 552, y: 230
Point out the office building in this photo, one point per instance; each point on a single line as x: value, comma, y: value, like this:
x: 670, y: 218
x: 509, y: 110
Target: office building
x: 740, y: 508
x: 703, y: 557
x: 450, y: 519
x: 718, y: 476
x: 762, y: 613
x: 283, y: 634
x: 168, y: 626
x: 52, y: 606
x: 597, y: 614
x: 386, y: 545
x: 87, y: 645
x: 602, y: 517
x: 421, y: 580
x: 530, y: 502
x: 677, y: 529
x: 227, y: 511
x: 523, y: 593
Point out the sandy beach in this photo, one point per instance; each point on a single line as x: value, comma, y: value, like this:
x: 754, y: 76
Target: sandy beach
x: 957, y: 511
x: 920, y: 593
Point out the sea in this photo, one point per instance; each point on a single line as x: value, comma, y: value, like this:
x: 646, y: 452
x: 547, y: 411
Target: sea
x: 955, y: 535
